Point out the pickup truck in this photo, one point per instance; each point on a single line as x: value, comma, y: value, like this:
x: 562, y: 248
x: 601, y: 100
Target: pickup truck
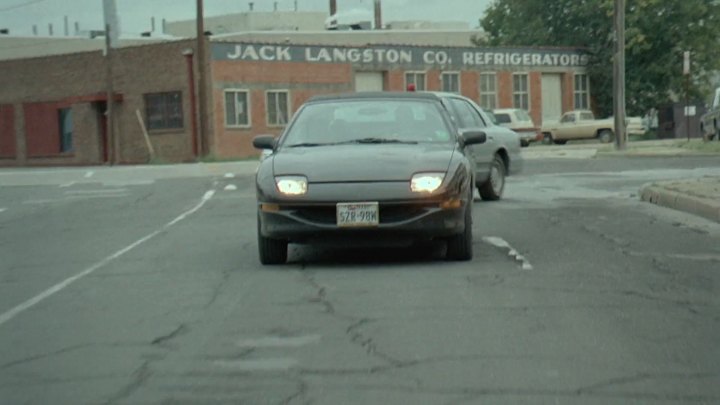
x: 581, y: 124
x: 710, y: 121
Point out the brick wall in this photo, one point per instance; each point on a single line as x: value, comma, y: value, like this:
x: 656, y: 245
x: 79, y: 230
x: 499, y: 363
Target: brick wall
x: 8, y: 148
x: 568, y: 88
x: 78, y: 81
x: 470, y: 85
x: 504, y: 89
x: 535, y: 79
x: 301, y: 80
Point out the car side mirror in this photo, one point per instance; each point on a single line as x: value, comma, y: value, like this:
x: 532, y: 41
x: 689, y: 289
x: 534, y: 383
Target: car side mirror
x: 264, y: 142
x: 473, y: 137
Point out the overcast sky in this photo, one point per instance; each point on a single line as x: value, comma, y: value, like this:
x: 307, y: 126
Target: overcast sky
x: 20, y: 15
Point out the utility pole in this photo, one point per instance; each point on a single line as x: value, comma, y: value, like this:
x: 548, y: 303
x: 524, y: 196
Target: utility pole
x: 619, y: 76
x: 202, y: 93
x: 109, y: 118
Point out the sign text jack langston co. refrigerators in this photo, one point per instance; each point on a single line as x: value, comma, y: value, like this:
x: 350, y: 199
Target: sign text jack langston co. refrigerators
x: 412, y: 56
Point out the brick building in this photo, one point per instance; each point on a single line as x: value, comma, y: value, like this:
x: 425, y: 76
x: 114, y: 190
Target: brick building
x: 51, y: 108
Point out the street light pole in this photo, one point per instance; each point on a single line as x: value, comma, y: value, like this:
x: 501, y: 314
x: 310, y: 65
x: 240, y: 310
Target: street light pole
x: 109, y: 104
x: 619, y: 76
x: 201, y: 72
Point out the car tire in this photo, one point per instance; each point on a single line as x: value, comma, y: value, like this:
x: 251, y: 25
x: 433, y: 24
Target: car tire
x: 524, y: 143
x: 605, y: 136
x: 460, y: 246
x: 493, y: 187
x: 272, y: 251
x: 547, y: 138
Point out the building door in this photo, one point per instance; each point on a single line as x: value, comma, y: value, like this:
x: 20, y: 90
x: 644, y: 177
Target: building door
x: 551, y: 97
x: 369, y: 81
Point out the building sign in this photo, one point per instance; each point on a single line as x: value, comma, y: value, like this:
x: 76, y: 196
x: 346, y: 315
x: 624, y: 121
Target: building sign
x: 410, y: 56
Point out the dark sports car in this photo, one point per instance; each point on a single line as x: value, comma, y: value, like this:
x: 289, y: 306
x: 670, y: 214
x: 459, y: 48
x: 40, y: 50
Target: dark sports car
x: 387, y: 168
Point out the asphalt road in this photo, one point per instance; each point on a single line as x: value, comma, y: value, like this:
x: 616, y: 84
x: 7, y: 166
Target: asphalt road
x: 142, y: 285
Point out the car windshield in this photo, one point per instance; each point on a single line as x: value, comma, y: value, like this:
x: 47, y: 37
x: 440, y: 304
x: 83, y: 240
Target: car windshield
x: 368, y: 121
x: 522, y: 115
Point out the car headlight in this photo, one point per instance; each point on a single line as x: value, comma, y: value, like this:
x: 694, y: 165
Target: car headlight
x: 292, y: 185
x: 426, y: 182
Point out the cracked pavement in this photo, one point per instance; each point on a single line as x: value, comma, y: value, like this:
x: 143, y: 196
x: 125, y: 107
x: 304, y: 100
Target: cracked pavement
x: 621, y: 304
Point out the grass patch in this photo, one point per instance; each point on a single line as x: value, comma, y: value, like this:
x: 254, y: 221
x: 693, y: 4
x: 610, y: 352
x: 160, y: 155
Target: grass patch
x: 701, y: 146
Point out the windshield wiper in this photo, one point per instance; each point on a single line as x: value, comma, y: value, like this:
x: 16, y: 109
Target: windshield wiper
x: 381, y: 140
x: 310, y: 144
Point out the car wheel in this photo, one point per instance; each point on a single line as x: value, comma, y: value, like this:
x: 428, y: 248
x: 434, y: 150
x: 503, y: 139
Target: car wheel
x: 493, y: 188
x: 547, y: 138
x: 524, y: 143
x: 460, y: 246
x: 605, y: 136
x: 272, y: 251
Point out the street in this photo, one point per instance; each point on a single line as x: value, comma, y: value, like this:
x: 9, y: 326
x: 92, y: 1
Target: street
x: 142, y: 285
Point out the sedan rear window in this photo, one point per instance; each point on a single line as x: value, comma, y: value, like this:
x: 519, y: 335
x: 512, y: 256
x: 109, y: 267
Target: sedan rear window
x: 502, y: 118
x: 522, y: 115
x: 348, y: 121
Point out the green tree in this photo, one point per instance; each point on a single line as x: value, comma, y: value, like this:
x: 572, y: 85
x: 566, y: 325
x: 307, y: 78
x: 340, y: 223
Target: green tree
x: 657, y: 33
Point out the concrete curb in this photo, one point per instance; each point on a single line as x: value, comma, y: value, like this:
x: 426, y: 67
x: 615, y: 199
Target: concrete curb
x: 657, y: 194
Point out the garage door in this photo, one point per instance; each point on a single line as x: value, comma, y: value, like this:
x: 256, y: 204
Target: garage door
x: 369, y: 81
x: 551, y: 97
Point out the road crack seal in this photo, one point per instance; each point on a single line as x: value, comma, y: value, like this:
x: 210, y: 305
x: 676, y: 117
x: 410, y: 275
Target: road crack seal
x: 139, y: 377
x: 163, y: 340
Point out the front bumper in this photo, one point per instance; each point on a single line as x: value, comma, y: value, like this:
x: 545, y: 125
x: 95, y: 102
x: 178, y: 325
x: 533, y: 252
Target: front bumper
x: 400, y: 223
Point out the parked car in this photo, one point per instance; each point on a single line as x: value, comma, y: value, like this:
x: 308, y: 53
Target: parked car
x: 381, y: 167
x: 581, y: 124
x: 495, y: 159
x: 519, y: 121
x: 710, y: 121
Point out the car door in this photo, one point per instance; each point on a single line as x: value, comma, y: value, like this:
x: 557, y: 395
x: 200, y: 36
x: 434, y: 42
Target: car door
x: 466, y: 117
x: 567, y: 127
x: 586, y: 125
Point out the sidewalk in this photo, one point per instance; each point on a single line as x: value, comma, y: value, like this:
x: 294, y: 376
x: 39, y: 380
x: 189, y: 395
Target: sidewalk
x: 697, y: 196
x: 593, y: 149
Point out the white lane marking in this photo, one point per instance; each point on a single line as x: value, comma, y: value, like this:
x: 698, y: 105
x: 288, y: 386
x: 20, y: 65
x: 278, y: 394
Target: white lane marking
x: 503, y: 244
x: 7, y: 316
x: 274, y: 341
x: 3, y: 209
x: 66, y: 185
x: 230, y: 187
x: 89, y: 174
x: 229, y: 175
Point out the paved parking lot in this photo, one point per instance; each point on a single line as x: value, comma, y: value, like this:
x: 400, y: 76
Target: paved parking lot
x: 142, y: 285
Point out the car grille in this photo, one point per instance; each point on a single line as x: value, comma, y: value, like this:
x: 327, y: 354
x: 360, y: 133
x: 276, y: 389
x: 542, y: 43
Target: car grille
x: 389, y: 213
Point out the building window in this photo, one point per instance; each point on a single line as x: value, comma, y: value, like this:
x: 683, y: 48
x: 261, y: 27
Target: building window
x: 164, y: 110
x: 237, y: 108
x: 582, y: 92
x: 521, y: 94
x: 488, y: 91
x: 66, y: 130
x: 277, y: 107
x: 415, y: 78
x: 450, y: 82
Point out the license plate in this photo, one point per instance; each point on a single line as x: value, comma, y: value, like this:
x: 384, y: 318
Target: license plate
x: 358, y: 214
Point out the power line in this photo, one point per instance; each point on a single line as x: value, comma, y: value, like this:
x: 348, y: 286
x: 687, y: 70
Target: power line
x: 16, y: 6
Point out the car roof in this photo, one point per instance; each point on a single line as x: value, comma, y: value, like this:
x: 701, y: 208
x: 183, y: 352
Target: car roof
x: 374, y: 95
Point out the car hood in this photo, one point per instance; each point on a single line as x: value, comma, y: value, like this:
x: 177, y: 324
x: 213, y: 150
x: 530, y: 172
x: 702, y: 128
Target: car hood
x: 362, y: 163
